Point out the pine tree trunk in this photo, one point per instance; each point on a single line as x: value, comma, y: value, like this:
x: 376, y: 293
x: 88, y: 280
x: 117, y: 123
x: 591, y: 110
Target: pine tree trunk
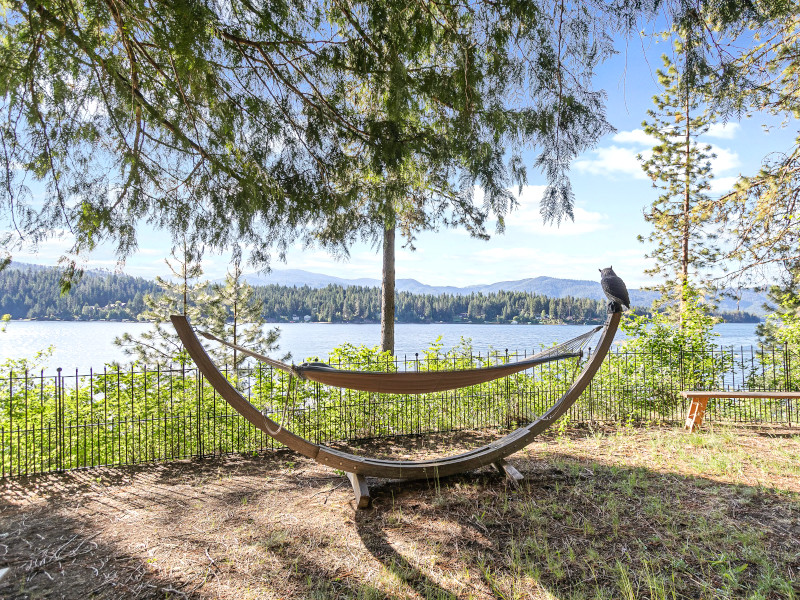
x: 387, y: 291
x: 235, y: 339
x: 237, y: 274
x: 684, y: 278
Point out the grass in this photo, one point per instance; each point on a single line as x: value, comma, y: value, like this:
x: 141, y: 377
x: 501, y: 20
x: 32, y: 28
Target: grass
x: 611, y: 513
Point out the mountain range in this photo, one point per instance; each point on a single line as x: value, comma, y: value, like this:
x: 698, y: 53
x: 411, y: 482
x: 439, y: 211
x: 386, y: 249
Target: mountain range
x: 748, y: 300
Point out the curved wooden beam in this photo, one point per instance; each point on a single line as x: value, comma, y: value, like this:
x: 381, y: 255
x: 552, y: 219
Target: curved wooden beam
x: 398, y: 469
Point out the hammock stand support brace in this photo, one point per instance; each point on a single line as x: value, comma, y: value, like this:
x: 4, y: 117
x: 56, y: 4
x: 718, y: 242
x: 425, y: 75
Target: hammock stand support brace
x: 359, y: 467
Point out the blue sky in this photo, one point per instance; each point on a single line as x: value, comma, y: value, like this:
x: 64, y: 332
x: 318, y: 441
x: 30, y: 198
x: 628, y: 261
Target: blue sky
x: 610, y: 188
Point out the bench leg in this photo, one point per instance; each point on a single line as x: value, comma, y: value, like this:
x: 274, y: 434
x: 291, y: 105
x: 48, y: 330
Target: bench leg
x: 697, y: 409
x: 360, y: 488
x: 509, y: 471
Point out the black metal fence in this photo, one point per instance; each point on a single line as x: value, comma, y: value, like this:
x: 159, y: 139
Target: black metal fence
x: 116, y: 417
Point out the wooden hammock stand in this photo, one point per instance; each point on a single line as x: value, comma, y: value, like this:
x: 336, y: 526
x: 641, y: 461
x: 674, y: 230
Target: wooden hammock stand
x: 359, y: 467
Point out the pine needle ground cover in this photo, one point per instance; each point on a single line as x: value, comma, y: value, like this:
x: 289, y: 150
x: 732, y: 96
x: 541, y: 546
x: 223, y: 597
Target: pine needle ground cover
x: 609, y: 513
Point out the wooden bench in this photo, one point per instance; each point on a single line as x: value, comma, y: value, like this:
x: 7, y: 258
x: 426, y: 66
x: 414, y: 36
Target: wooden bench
x: 699, y: 401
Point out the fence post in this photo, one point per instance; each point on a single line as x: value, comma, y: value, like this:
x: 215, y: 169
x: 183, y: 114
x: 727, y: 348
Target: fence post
x: 589, y: 391
x: 199, y: 379
x: 59, y: 422
x: 10, y: 429
x: 787, y: 379
x: 508, y: 398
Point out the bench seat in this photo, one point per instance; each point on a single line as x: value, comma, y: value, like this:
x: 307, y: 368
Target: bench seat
x: 699, y: 401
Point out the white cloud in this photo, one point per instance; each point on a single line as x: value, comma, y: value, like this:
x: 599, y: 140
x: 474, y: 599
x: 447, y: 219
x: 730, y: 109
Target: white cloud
x: 47, y: 252
x: 726, y: 159
x: 527, y: 216
x: 635, y: 136
x: 725, y: 131
x: 613, y: 160
x: 722, y: 185
x: 491, y: 265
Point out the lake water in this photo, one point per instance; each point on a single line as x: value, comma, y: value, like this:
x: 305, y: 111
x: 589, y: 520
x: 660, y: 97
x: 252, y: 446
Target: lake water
x: 85, y: 345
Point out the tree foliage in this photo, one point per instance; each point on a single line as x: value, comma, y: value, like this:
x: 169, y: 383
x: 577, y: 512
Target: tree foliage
x: 258, y: 122
x: 35, y: 293
x: 761, y: 212
x: 236, y: 316
x: 782, y: 326
x: 184, y: 294
x: 667, y: 358
x: 680, y: 167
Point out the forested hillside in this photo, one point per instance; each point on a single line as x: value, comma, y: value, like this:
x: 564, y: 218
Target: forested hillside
x: 33, y: 293
x: 28, y: 292
x: 362, y: 304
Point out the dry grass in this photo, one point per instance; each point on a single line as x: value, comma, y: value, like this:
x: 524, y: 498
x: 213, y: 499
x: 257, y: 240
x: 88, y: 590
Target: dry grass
x: 629, y: 513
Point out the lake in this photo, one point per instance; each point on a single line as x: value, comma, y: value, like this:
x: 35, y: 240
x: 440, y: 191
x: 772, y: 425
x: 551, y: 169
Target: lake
x: 85, y: 345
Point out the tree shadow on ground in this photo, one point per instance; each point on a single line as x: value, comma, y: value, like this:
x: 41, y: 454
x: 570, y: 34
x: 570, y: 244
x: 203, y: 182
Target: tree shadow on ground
x: 279, y: 526
x: 587, y: 529
x: 50, y: 555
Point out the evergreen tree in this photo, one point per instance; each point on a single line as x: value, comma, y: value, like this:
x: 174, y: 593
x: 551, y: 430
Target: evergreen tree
x: 680, y: 166
x: 264, y: 122
x: 238, y: 317
x: 782, y: 326
x: 760, y: 215
x: 185, y: 295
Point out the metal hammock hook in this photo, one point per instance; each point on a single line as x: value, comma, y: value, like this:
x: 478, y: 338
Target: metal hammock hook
x: 580, y: 361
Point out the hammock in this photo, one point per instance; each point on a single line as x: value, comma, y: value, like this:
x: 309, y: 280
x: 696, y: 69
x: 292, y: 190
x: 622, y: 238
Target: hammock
x: 358, y: 467
x: 412, y: 382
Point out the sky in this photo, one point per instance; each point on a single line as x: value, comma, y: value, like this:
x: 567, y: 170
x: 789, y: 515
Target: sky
x: 611, y: 193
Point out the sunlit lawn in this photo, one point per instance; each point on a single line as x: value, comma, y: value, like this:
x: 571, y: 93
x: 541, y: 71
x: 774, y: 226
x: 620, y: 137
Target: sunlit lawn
x: 604, y: 513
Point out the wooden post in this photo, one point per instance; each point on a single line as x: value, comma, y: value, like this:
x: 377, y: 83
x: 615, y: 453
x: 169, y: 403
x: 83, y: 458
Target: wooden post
x: 697, y: 409
x: 509, y: 471
x: 360, y: 488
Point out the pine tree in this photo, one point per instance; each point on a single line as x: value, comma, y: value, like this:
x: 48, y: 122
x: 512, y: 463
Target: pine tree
x: 680, y: 166
x: 185, y: 295
x: 760, y: 215
x: 238, y: 317
x: 782, y: 326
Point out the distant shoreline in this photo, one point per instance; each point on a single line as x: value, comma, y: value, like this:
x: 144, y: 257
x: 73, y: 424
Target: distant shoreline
x: 570, y: 323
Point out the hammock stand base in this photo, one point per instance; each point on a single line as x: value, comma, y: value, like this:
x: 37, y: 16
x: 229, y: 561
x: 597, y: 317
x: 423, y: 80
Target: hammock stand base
x: 360, y: 467
x: 363, y: 497
x: 514, y: 476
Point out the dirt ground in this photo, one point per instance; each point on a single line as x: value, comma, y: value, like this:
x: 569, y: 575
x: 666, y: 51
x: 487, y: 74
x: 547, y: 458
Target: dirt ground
x: 281, y: 526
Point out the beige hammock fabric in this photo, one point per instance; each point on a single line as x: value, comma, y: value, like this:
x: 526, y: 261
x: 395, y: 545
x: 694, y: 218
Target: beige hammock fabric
x: 412, y: 382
